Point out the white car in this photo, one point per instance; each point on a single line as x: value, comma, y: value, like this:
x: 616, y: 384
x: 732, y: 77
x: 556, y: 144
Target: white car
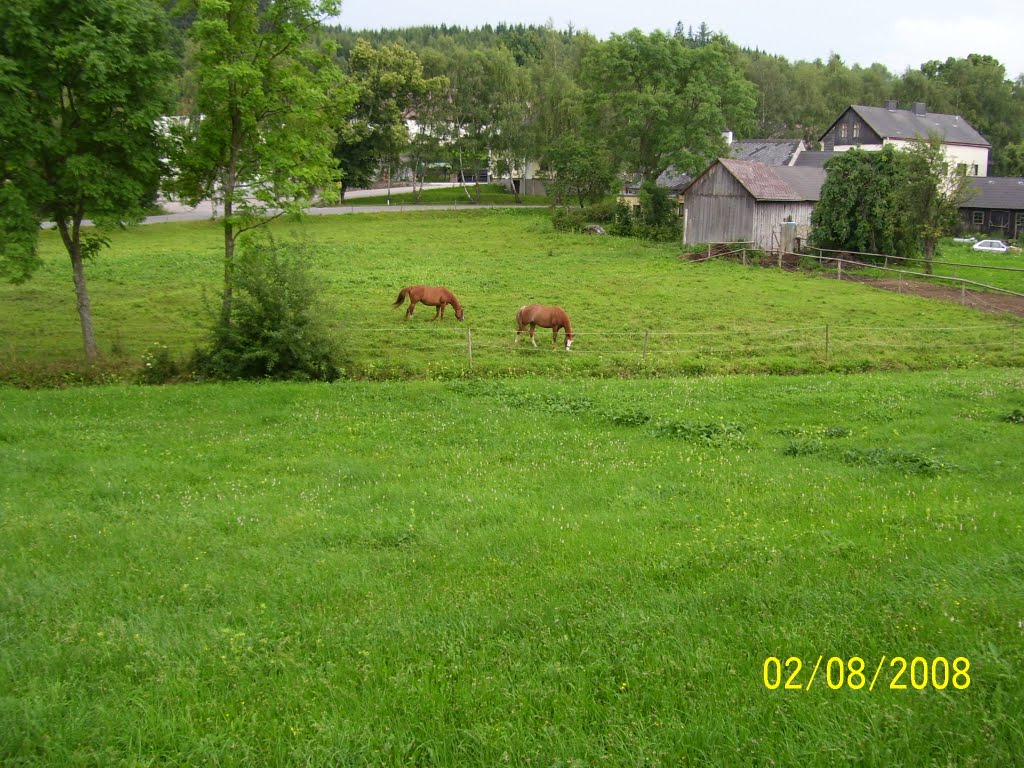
x: 994, y: 246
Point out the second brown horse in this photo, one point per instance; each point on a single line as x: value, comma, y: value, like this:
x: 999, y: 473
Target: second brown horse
x: 546, y: 317
x: 434, y: 295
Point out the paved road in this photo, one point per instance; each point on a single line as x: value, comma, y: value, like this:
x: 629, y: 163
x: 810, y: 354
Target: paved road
x: 205, y: 210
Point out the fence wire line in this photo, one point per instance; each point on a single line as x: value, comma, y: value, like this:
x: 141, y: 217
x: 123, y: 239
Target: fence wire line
x: 862, y: 265
x: 736, y: 331
x: 923, y: 261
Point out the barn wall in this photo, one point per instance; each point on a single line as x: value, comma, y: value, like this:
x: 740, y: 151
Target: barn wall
x: 769, y: 216
x: 718, y: 209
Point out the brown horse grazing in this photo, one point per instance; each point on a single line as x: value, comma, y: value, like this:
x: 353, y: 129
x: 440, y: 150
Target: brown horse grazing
x: 546, y: 317
x: 436, y: 296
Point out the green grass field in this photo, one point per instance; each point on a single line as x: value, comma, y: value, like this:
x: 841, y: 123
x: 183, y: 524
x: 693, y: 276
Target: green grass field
x: 616, y: 556
x: 637, y: 309
x: 524, y: 572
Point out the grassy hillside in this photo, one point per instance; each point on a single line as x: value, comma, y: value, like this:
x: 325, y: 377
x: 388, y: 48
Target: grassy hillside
x: 531, y: 571
x: 636, y: 308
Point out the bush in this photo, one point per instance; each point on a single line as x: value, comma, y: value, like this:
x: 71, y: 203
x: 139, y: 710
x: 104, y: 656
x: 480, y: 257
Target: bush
x: 276, y: 329
x: 655, y: 220
x: 158, y: 367
x: 571, y: 219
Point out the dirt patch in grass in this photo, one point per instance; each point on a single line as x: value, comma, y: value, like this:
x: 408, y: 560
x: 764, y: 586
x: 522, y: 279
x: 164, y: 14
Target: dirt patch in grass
x: 986, y: 301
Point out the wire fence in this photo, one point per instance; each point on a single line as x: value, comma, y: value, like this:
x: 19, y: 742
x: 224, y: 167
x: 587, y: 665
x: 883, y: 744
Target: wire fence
x: 732, y: 349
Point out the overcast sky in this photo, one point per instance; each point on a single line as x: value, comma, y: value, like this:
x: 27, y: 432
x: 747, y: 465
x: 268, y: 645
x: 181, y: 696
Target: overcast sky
x: 897, y: 33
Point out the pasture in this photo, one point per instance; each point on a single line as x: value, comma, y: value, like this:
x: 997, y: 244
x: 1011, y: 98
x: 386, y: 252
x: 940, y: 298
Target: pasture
x: 636, y: 309
x: 525, y: 572
x: 530, y: 558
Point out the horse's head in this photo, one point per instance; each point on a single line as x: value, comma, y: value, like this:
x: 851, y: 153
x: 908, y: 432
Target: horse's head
x: 569, y: 338
x: 458, y: 312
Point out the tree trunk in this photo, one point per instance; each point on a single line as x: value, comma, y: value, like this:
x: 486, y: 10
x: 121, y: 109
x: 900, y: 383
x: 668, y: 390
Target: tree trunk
x: 73, y: 244
x: 228, y: 185
x: 929, y: 254
x: 229, y: 265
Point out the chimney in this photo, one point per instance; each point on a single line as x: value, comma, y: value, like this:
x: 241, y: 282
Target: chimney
x: 891, y: 105
x: 919, y: 109
x: 727, y: 138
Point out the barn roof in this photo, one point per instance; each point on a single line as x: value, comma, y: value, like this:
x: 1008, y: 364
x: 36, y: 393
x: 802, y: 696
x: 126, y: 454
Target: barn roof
x: 776, y: 183
x: 997, y: 192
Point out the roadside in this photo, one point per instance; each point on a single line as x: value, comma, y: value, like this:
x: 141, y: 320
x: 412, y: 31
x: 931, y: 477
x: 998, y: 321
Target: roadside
x: 206, y: 210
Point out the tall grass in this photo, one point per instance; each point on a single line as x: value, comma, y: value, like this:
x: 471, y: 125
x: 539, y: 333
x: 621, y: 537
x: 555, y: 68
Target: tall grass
x: 531, y: 571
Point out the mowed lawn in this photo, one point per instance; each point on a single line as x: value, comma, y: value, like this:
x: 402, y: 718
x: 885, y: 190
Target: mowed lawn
x: 530, y: 571
x: 637, y: 309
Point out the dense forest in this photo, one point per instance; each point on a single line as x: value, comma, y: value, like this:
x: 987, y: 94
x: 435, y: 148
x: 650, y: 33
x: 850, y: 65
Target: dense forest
x: 792, y: 99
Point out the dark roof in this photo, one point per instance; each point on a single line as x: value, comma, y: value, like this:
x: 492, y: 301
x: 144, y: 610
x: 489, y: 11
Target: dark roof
x: 813, y: 159
x: 670, y: 179
x: 776, y: 183
x: 673, y: 179
x: 806, y: 182
x: 905, y: 124
x: 767, y: 151
x: 998, y: 192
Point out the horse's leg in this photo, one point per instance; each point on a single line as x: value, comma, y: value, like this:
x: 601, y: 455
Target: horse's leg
x: 412, y: 305
x: 440, y: 311
x: 554, y: 338
x: 533, y: 327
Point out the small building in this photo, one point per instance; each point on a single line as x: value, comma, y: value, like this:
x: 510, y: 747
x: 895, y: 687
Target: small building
x: 670, y: 180
x: 767, y: 151
x: 995, y: 207
x: 872, y: 128
x: 744, y: 201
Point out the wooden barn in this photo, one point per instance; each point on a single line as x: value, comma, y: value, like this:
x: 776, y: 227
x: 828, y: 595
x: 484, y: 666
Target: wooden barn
x: 995, y: 207
x: 743, y: 201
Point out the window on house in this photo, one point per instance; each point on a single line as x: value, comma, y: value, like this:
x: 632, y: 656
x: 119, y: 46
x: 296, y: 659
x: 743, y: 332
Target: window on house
x: 974, y: 170
x: 1019, y: 223
x: 961, y: 168
x: 978, y: 218
x: 856, y: 130
x: 843, y: 131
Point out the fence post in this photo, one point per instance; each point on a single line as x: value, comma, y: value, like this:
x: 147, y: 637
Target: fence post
x: 839, y: 269
x: 963, y: 294
x: 743, y: 255
x: 469, y: 344
x: 826, y: 343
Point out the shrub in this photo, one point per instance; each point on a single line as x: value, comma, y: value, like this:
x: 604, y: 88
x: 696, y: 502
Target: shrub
x: 158, y: 367
x: 276, y: 329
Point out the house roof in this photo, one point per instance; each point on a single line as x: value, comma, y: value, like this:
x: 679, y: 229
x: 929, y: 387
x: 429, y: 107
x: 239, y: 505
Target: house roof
x: 671, y: 179
x: 813, y: 159
x: 776, y: 183
x: 905, y: 124
x: 998, y: 192
x: 767, y: 151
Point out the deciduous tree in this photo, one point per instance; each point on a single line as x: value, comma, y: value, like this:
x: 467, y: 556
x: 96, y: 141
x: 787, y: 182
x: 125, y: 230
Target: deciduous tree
x: 267, y: 106
x: 860, y: 207
x: 82, y: 86
x: 389, y: 82
x: 658, y: 103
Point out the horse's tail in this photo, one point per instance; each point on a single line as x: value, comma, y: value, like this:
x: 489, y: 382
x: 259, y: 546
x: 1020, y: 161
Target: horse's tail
x: 401, y: 297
